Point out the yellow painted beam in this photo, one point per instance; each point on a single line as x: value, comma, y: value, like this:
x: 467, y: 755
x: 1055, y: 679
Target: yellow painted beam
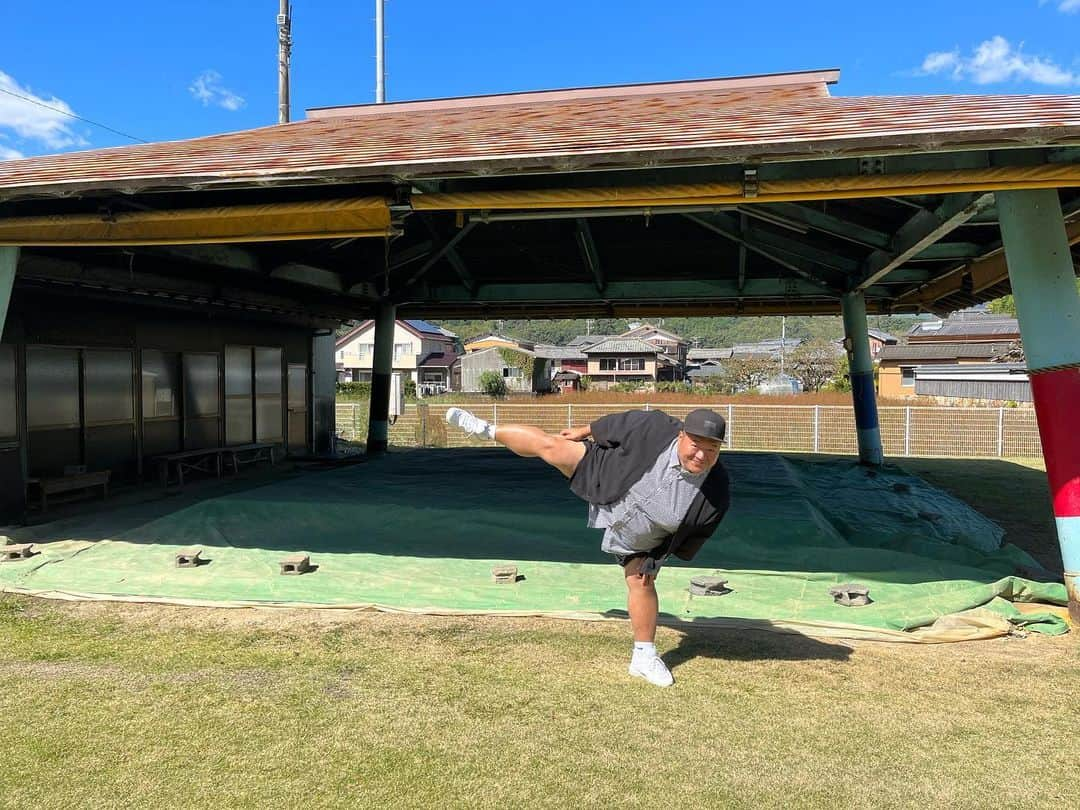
x: 324, y: 219
x: 853, y: 187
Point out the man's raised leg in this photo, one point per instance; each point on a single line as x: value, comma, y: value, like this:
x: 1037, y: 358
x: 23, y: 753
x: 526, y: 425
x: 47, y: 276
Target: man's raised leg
x: 524, y: 440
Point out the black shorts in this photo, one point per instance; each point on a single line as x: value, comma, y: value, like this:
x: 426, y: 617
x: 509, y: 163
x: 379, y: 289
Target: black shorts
x: 623, y: 559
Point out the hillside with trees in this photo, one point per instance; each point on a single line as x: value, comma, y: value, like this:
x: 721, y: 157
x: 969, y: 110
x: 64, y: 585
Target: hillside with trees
x: 703, y: 332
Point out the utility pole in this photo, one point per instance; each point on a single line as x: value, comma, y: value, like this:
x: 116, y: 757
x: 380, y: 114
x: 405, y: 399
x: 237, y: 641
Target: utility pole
x: 284, y: 24
x: 783, y: 342
x: 380, y: 53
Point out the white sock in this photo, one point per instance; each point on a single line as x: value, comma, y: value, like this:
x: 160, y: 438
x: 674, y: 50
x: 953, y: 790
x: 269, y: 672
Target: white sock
x: 644, y: 649
x: 489, y: 430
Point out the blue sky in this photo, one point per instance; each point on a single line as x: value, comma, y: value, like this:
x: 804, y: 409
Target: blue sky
x: 169, y: 70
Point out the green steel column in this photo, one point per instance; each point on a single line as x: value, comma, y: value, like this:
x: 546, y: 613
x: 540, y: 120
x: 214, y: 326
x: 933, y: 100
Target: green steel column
x: 1048, y: 307
x: 861, y: 368
x: 383, y: 366
x: 9, y: 260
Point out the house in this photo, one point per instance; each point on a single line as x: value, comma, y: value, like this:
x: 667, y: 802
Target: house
x: 961, y: 339
x: 423, y: 352
x: 974, y: 384
x: 671, y: 354
x: 672, y: 346
x: 488, y: 341
x: 564, y: 358
x: 708, y: 373
x: 618, y: 360
x: 896, y: 375
x: 772, y: 348
x: 511, y: 364
x: 566, y: 381
x: 966, y: 327
x: 879, y: 340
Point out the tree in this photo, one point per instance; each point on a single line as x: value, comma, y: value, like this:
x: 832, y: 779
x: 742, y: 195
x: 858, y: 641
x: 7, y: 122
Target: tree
x: 492, y: 384
x: 841, y: 381
x: 814, y: 364
x: 1003, y: 306
x: 1006, y: 305
x: 747, y: 373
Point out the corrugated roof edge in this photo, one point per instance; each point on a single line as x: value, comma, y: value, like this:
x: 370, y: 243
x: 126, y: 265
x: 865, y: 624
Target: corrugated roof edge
x: 808, y: 77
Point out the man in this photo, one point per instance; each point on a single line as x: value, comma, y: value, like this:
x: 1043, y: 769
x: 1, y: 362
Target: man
x: 654, y: 485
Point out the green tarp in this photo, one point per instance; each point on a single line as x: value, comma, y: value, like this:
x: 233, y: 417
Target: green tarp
x: 421, y: 530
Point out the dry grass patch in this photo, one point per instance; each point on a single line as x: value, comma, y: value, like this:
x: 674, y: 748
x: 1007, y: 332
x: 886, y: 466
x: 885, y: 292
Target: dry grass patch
x: 120, y: 705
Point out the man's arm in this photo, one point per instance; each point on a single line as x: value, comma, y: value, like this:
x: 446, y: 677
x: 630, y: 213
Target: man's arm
x: 576, y: 434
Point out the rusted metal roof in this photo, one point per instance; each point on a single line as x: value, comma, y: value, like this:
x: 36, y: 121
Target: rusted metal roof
x: 718, y: 121
x: 622, y: 346
x: 943, y: 351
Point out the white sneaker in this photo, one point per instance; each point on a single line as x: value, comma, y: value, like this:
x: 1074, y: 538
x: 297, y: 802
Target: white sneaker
x: 653, y: 669
x: 461, y: 418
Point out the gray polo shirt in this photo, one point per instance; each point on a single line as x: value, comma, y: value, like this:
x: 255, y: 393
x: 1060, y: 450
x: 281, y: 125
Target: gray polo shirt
x: 651, y: 510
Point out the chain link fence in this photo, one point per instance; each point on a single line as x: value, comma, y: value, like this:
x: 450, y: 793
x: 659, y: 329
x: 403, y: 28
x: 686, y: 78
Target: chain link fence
x: 949, y: 432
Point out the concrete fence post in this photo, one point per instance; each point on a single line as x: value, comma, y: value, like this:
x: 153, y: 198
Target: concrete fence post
x: 569, y: 416
x: 907, y: 430
x: 817, y: 422
x: 1001, y: 432
x: 730, y: 426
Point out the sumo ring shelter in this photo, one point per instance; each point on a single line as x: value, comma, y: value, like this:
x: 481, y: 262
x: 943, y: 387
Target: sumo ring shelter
x: 179, y: 299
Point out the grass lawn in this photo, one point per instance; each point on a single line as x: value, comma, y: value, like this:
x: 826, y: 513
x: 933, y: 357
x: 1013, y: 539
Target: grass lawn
x: 107, y: 705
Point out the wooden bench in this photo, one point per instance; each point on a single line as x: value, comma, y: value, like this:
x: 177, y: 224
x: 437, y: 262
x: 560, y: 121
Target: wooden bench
x: 70, y: 483
x: 211, y: 460
x: 249, y: 454
x: 207, y: 460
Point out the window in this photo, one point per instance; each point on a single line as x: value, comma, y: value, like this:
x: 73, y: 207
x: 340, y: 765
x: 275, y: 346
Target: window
x: 200, y: 384
x: 512, y: 372
x: 907, y: 376
x: 238, y: 395
x: 367, y: 349
x: 608, y: 364
x: 632, y: 364
x: 52, y: 388
x: 254, y: 395
x: 108, y: 387
x: 402, y: 350
x: 269, y: 396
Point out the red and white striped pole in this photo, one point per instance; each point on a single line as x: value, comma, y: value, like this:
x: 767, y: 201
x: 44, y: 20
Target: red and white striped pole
x: 1048, y: 307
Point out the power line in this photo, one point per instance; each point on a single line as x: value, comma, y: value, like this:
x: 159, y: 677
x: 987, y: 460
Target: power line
x: 71, y: 115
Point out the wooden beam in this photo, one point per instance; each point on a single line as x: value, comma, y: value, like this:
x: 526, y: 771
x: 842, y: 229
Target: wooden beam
x: 309, y: 276
x: 446, y: 248
x: 589, y: 253
x: 972, y: 278
x: 919, y: 232
x: 802, y: 268
x: 660, y: 290
x: 742, y: 252
x: 411, y: 254
x: 831, y: 225
x: 226, y: 256
x: 191, y: 293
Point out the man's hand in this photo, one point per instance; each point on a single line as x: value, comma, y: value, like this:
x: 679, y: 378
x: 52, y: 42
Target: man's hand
x: 576, y: 434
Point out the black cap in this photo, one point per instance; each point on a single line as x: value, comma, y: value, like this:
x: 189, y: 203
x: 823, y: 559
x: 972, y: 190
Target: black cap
x: 705, y: 423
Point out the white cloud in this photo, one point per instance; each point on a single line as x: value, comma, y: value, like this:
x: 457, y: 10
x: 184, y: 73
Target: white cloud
x: 208, y: 89
x: 1066, y: 6
x: 7, y: 153
x: 995, y: 61
x: 35, y: 118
